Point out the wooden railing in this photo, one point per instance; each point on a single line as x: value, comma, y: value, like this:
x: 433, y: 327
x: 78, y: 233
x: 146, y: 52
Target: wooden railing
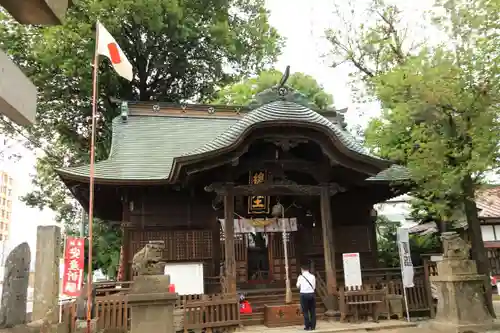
x: 206, y: 311
x: 373, y: 275
x: 321, y: 287
x: 322, y: 291
x: 107, y: 288
x: 112, y: 313
x: 215, y: 313
x: 68, y: 315
x: 182, y: 300
x: 417, y: 296
x: 362, y: 300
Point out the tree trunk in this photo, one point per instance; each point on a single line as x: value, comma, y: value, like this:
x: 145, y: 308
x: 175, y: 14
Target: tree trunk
x: 441, y: 227
x: 478, y: 249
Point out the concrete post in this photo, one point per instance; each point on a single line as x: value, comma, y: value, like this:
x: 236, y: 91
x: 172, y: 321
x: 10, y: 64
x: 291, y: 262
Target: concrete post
x: 46, y: 291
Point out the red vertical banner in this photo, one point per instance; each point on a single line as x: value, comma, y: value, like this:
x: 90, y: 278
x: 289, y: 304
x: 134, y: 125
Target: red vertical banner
x: 74, y: 262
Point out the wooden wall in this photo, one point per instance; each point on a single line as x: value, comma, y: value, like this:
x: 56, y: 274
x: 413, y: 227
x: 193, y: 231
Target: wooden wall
x: 354, y: 231
x: 171, y: 209
x: 188, y: 225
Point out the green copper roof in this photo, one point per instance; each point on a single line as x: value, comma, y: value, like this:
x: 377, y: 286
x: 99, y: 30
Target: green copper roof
x: 394, y: 173
x: 276, y: 111
x: 144, y: 147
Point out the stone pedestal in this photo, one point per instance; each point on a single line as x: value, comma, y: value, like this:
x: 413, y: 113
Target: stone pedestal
x: 151, y: 305
x: 461, y: 302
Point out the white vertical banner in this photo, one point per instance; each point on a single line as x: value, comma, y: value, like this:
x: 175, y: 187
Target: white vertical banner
x: 405, y: 257
x: 352, y: 270
x: 406, y: 264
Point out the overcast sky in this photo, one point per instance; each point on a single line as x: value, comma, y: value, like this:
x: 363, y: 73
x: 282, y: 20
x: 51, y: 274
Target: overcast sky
x: 302, y: 23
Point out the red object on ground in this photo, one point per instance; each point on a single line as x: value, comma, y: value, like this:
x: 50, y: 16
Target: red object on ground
x: 245, y: 307
x: 171, y: 288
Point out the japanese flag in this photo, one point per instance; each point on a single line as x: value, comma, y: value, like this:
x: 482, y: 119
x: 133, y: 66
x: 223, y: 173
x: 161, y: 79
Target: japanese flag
x: 108, y: 47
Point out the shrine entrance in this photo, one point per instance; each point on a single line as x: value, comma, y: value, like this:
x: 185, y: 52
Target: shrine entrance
x: 259, y: 250
x: 258, y: 258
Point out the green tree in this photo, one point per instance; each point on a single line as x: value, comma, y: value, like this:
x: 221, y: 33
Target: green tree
x: 387, y: 246
x: 241, y: 93
x: 440, y: 113
x: 180, y: 51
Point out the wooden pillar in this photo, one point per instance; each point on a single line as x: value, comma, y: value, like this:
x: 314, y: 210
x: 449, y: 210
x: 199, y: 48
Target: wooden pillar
x: 126, y: 217
x: 127, y: 274
x: 230, y: 260
x: 373, y: 240
x: 216, y: 247
x: 328, y: 244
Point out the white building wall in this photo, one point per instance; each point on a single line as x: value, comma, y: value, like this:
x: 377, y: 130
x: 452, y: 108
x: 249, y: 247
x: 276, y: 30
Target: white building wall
x: 398, y: 210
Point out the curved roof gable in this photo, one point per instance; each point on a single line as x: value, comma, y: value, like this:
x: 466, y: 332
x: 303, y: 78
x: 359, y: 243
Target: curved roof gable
x: 146, y: 147
x: 280, y: 111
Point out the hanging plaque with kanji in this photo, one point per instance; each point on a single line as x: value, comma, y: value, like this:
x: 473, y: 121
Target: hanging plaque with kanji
x: 258, y: 204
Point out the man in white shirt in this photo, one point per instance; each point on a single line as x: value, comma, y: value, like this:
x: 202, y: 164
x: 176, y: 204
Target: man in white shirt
x: 306, y: 283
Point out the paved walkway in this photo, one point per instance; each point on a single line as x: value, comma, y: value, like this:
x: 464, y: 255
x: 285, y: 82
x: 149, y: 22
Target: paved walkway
x: 393, y: 326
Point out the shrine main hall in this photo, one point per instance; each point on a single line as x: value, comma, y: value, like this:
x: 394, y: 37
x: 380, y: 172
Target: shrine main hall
x: 207, y: 181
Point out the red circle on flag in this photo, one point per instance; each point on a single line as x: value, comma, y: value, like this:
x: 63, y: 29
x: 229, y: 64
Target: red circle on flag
x: 114, y: 53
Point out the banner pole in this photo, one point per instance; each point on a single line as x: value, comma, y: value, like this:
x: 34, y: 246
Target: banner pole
x: 65, y: 239
x: 91, y: 179
x: 405, y: 296
x: 401, y: 265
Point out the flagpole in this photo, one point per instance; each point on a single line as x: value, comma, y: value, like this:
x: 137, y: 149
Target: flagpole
x: 91, y: 180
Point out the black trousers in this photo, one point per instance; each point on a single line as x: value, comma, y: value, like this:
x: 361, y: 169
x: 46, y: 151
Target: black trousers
x: 308, y: 304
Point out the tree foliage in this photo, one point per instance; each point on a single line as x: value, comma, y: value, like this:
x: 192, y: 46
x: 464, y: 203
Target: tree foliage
x: 440, y: 114
x: 241, y: 93
x: 439, y: 101
x: 180, y: 51
x: 387, y: 245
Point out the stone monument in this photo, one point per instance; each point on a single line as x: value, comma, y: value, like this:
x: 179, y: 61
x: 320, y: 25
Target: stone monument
x: 15, y: 287
x: 46, y: 288
x: 151, y: 303
x: 460, y: 289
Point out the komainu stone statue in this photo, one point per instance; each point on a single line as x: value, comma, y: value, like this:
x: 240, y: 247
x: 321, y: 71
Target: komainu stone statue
x: 462, y: 305
x: 454, y: 247
x: 148, y: 260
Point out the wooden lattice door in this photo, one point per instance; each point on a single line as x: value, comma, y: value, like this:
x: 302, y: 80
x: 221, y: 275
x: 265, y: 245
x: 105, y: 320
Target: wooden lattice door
x: 277, y: 256
x: 240, y: 252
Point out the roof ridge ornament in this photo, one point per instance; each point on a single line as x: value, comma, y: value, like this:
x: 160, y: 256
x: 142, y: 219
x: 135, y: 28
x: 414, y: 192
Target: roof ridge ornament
x: 338, y: 116
x: 281, y: 92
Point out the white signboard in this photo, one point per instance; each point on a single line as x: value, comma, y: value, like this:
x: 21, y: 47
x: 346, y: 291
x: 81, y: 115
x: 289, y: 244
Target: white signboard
x: 186, y: 277
x: 405, y: 257
x: 352, y: 270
